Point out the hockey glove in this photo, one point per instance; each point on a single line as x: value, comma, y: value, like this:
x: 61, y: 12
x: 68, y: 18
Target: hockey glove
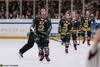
x: 32, y: 29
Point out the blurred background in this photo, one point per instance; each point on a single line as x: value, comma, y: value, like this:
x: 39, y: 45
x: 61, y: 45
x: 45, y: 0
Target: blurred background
x: 28, y: 9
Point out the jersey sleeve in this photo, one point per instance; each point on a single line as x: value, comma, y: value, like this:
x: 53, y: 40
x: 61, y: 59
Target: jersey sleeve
x: 32, y: 28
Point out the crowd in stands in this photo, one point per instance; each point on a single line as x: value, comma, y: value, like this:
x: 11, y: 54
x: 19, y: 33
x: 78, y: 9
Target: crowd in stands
x: 53, y: 8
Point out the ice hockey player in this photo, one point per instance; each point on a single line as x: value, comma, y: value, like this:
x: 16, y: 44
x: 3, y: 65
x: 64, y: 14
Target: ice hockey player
x: 64, y: 29
x: 75, y: 26
x: 43, y: 28
x: 86, y: 27
x: 39, y: 33
x: 30, y: 42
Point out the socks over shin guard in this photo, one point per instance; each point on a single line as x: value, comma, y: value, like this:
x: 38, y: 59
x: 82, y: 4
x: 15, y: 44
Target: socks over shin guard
x: 66, y: 49
x: 41, y: 53
x: 75, y: 45
x: 46, y: 52
x: 88, y: 42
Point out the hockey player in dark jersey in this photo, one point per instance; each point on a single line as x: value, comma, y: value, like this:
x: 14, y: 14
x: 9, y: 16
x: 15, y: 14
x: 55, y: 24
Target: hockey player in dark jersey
x: 39, y: 33
x: 43, y: 28
x: 75, y: 27
x: 86, y: 27
x: 30, y: 42
x: 64, y: 30
x: 79, y: 28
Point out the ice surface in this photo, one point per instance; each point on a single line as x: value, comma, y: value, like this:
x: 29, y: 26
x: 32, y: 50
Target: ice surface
x: 9, y: 49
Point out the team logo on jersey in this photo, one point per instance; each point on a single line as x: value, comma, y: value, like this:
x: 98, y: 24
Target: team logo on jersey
x: 65, y: 28
x: 41, y: 26
x: 86, y: 23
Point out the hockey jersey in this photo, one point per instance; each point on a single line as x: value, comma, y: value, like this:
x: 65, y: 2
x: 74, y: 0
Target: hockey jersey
x: 75, y: 25
x: 64, y: 26
x: 86, y: 23
x: 42, y: 26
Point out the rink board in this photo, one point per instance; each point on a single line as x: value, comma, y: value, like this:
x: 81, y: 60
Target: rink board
x: 19, y: 29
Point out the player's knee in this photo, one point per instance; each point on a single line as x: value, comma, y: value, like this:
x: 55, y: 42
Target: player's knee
x: 40, y: 51
x: 46, y: 52
x: 46, y: 49
x: 74, y: 41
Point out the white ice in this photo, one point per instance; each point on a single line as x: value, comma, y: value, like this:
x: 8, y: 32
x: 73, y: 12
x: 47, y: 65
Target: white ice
x: 9, y: 49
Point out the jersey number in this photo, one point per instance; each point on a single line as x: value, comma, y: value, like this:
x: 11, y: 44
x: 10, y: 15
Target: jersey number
x: 65, y: 28
x: 86, y: 23
x: 41, y: 26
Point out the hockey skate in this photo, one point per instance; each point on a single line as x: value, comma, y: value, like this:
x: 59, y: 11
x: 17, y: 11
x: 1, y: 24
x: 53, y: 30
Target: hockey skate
x: 66, y: 50
x: 88, y: 42
x: 47, y: 58
x: 41, y: 57
x: 83, y: 41
x: 75, y: 47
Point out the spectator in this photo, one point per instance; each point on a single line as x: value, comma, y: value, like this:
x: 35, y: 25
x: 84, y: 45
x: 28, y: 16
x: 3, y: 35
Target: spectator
x: 27, y: 8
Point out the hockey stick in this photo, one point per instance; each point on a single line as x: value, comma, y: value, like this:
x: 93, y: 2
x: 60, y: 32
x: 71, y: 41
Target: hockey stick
x: 55, y: 39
